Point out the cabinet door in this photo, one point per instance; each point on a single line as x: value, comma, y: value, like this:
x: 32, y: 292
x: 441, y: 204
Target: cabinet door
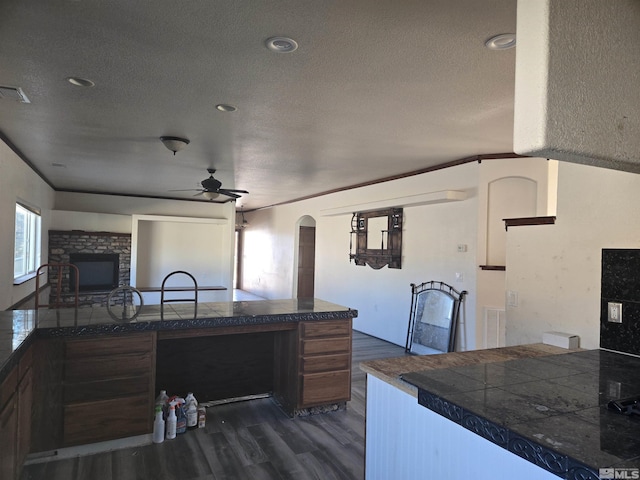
x: 106, y: 420
x: 108, y: 387
x: 8, y: 433
x: 320, y: 388
x: 25, y: 401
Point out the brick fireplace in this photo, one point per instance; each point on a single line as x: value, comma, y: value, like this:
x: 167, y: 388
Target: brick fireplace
x: 91, y: 252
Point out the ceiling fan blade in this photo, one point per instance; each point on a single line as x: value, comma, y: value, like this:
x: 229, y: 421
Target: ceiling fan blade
x: 211, y: 186
x: 228, y: 193
x: 232, y: 190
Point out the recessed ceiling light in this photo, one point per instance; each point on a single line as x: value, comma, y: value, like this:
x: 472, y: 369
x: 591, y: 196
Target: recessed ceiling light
x: 503, y: 41
x: 281, y: 44
x: 80, y: 82
x: 223, y: 107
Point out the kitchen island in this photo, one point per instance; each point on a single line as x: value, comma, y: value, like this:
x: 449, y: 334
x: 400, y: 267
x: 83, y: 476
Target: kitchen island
x: 531, y: 411
x: 94, y: 376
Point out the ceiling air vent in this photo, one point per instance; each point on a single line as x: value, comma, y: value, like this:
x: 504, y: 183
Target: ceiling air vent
x: 13, y: 93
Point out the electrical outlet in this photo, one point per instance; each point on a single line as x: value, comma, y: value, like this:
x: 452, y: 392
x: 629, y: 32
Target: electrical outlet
x: 459, y: 277
x: 462, y: 248
x: 512, y: 298
x: 614, y: 389
x: 615, y: 312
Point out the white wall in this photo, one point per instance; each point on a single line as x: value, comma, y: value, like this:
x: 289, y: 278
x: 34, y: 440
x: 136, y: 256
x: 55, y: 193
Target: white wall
x: 201, y: 247
x: 91, y: 222
x: 490, y: 283
x: 431, y: 234
x: 18, y: 182
x: 556, y: 269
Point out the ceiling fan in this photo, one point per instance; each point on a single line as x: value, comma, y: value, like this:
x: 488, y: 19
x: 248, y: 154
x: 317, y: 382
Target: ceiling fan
x: 211, y: 188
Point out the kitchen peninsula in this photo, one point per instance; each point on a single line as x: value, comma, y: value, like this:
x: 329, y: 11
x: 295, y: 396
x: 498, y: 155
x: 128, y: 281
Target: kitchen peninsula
x: 93, y: 377
x: 529, y: 411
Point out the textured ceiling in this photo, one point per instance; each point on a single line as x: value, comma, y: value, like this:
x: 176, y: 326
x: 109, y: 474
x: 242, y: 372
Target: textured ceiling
x: 376, y: 88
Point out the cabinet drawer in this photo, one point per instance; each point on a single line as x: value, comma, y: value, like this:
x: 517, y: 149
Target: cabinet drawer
x: 326, y: 329
x: 7, y: 415
x: 102, y: 368
x: 25, y: 414
x: 107, y: 389
x: 325, y: 363
x: 8, y: 447
x: 98, y: 346
x: 26, y: 361
x: 8, y: 387
x: 326, y: 346
x: 321, y: 388
x: 105, y: 420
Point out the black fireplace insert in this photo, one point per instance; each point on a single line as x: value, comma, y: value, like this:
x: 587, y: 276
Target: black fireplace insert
x: 98, y: 271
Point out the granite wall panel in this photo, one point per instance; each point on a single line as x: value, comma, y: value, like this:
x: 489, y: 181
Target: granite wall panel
x: 621, y: 283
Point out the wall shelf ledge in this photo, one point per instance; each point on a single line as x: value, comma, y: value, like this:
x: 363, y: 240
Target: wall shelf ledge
x: 500, y: 268
x: 517, y: 222
x: 444, y: 196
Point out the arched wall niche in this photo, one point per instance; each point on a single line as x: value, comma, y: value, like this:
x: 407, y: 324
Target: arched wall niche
x: 508, y: 197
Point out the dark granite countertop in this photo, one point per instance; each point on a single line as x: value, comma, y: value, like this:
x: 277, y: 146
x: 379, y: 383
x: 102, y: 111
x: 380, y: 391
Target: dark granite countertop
x: 550, y: 410
x: 18, y: 327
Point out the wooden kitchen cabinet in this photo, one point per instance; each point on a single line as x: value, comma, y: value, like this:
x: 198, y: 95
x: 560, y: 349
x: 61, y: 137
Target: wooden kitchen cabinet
x: 324, y: 363
x: 16, y: 399
x: 8, y: 426
x: 24, y: 406
x: 91, y: 382
x: 108, y: 387
x: 313, y: 365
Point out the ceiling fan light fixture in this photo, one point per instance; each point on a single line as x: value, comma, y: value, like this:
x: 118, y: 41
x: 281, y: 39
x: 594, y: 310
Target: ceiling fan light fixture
x: 175, y: 144
x: 281, y: 44
x: 210, y: 195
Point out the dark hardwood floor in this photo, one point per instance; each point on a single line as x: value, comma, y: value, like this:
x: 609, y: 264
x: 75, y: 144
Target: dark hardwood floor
x: 246, y: 440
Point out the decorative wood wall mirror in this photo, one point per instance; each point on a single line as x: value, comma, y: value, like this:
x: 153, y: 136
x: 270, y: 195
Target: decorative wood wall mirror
x: 378, y: 238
